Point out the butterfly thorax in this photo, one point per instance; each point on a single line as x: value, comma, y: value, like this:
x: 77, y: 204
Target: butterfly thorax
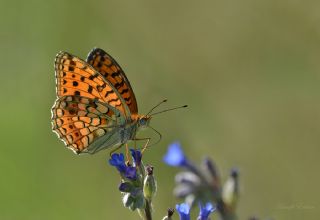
x: 129, y: 130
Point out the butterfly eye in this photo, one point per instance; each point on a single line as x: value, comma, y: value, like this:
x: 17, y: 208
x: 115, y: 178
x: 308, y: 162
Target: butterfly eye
x: 143, y: 121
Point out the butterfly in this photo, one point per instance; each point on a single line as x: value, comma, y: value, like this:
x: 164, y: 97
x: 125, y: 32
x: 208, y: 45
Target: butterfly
x: 95, y: 107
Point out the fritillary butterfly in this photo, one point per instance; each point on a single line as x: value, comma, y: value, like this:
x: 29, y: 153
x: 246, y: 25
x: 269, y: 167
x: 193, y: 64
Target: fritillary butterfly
x: 95, y: 107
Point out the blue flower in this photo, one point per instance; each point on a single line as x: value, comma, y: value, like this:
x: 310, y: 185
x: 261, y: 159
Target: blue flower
x: 205, y: 211
x: 126, y: 187
x: 131, y: 173
x: 175, y: 155
x: 137, y: 156
x: 184, y: 211
x: 117, y: 160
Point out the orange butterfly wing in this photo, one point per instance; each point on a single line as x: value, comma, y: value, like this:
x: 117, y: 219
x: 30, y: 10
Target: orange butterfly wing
x: 74, y: 77
x: 88, y: 106
x: 110, y: 69
x: 79, y: 121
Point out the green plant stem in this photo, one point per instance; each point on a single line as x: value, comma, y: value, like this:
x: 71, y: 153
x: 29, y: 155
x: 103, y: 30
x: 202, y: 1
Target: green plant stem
x: 225, y: 212
x: 147, y: 210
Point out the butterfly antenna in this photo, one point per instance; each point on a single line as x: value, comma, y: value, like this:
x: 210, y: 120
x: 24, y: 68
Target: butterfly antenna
x: 170, y: 109
x: 160, y: 136
x: 163, y: 101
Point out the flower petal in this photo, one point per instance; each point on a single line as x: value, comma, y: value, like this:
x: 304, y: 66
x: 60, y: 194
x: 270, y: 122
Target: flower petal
x: 184, y: 211
x: 175, y: 155
x: 131, y: 173
x: 205, y: 210
x: 117, y: 160
x: 137, y: 156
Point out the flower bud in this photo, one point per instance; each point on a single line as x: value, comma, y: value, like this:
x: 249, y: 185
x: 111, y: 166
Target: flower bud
x: 230, y: 189
x: 126, y: 187
x: 211, y: 170
x: 149, y: 184
x: 169, y: 215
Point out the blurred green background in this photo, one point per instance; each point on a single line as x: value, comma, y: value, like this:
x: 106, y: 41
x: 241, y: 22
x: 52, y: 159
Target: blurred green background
x: 249, y: 71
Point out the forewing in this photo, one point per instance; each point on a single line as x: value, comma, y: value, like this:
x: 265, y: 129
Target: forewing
x: 111, y: 70
x: 79, y: 121
x: 74, y: 77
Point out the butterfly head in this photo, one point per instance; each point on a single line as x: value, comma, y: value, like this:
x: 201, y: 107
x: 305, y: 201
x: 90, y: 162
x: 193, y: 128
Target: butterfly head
x: 144, y: 121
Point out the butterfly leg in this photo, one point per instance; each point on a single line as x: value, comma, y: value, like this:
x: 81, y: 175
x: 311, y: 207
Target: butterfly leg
x: 146, y: 144
x: 127, y: 155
